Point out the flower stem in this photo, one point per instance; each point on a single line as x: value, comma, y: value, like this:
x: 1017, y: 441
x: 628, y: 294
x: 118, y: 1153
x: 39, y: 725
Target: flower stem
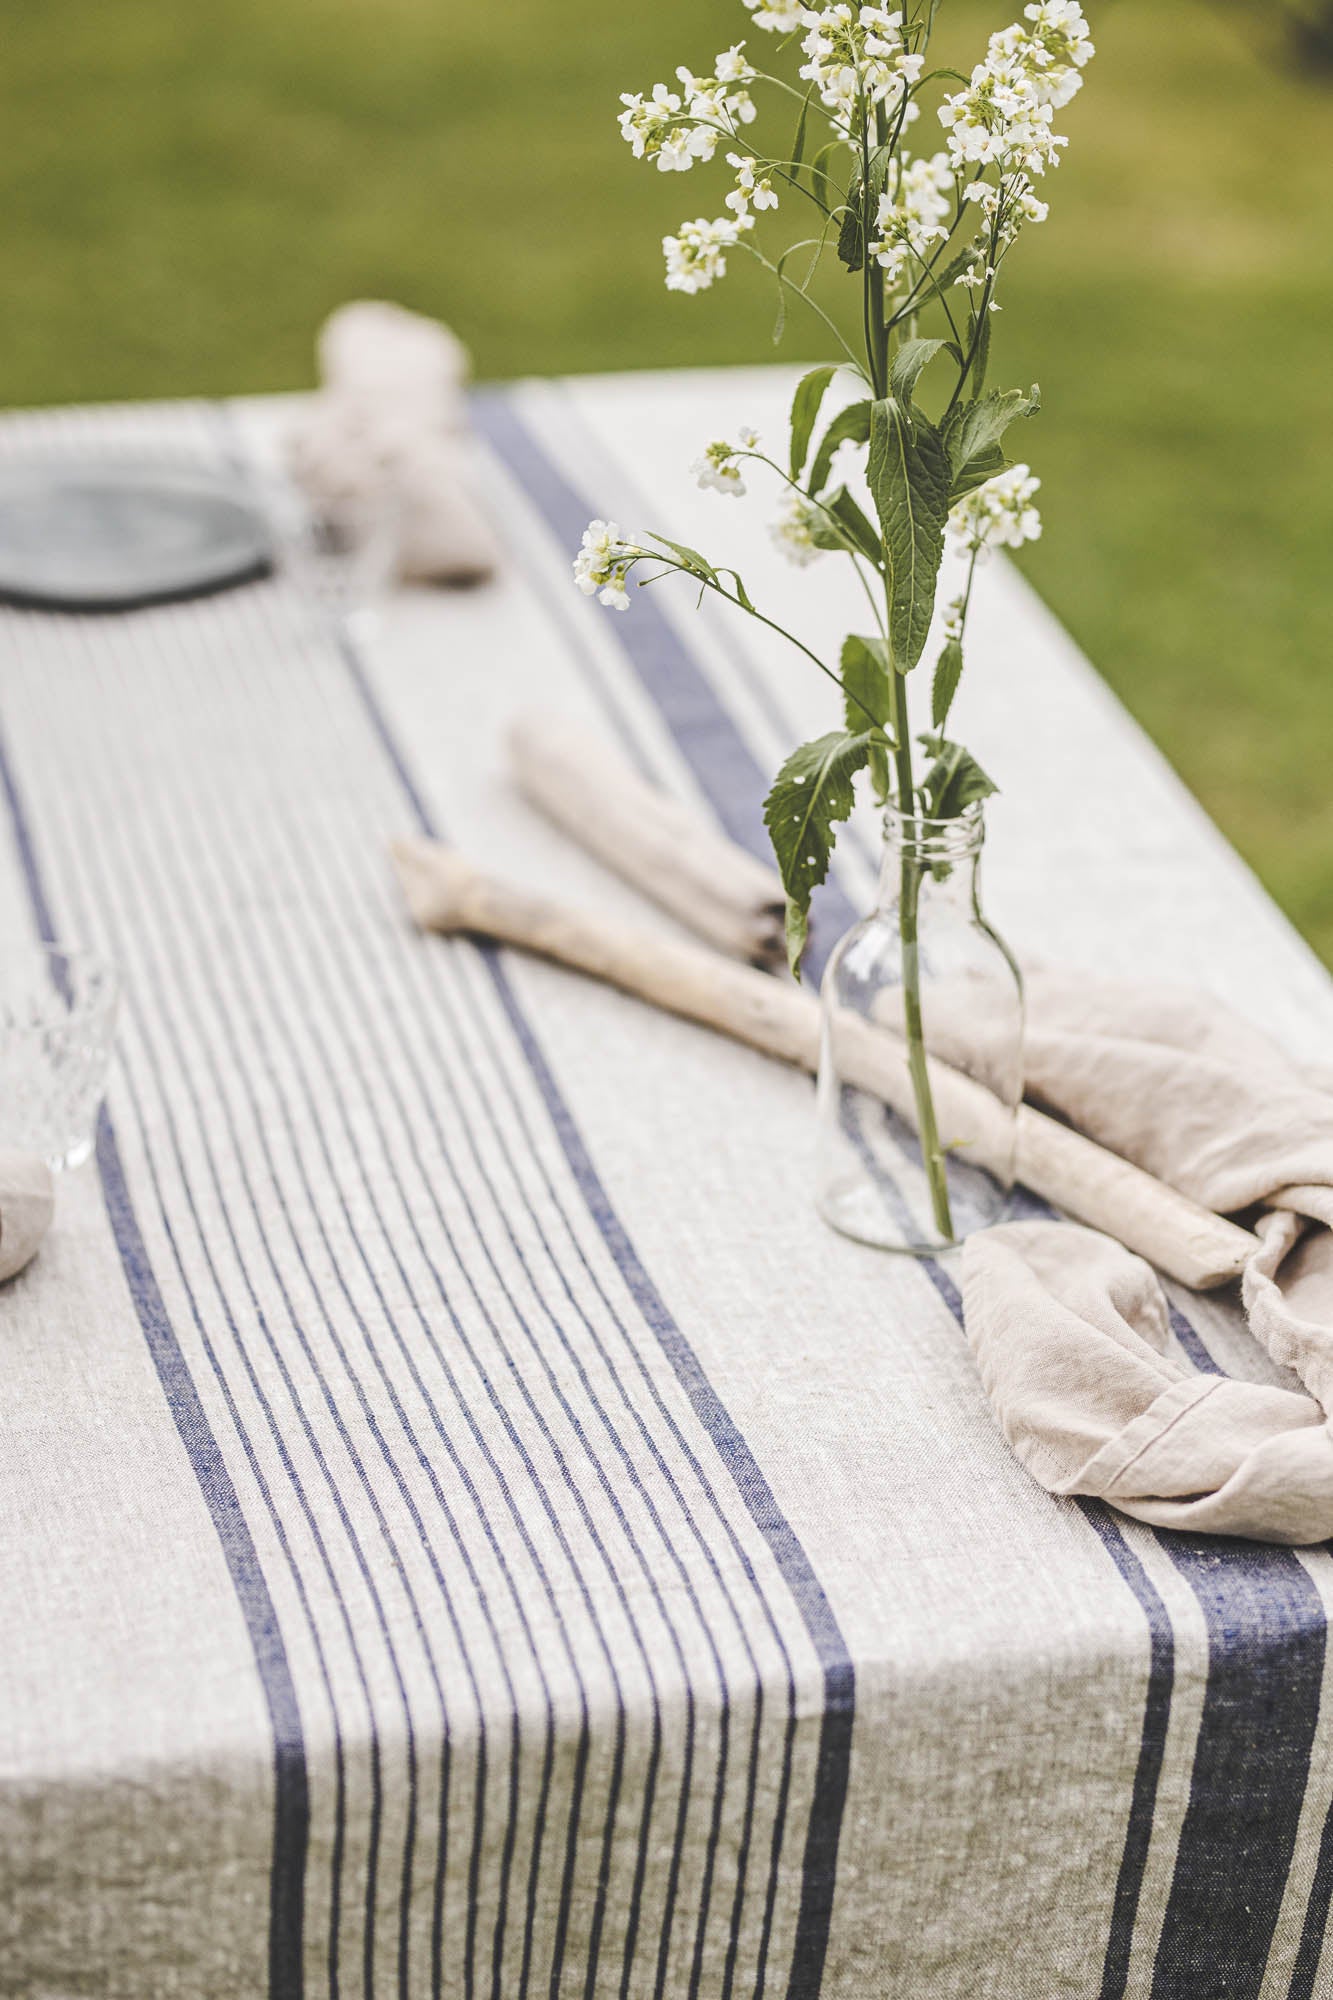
x: 909, y: 899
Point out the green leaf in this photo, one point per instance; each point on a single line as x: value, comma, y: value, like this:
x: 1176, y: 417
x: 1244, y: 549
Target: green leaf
x: 798, y: 143
x: 973, y: 432
x: 909, y: 479
x: 853, y: 523
x: 865, y: 681
x: 908, y: 363
x: 851, y: 237
x: 866, y: 697
x: 804, y: 410
x: 948, y: 673
x: 819, y: 176
x: 696, y: 564
x: 810, y: 795
x: 852, y: 423
x: 954, y: 781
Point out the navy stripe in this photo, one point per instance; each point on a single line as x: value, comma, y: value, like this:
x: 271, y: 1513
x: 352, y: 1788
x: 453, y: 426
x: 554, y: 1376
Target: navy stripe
x: 291, y: 1789
x: 1266, y: 1644
x: 831, y: 1649
x: 706, y: 734
x: 271, y: 1009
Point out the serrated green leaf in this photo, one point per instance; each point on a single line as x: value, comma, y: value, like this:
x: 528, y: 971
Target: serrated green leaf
x: 811, y: 794
x: 909, y: 480
x: 851, y: 424
x: 851, y: 522
x: 954, y: 781
x: 973, y: 432
x: 810, y: 391
x: 911, y: 358
x: 948, y: 673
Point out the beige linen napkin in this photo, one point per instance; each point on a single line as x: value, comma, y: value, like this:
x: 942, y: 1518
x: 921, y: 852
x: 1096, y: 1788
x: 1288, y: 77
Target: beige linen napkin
x: 1070, y: 1330
x: 391, y: 423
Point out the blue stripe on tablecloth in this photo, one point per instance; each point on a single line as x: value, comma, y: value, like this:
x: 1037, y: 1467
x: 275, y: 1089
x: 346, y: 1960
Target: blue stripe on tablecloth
x: 833, y: 1758
x: 291, y: 1791
x: 1262, y: 1612
x: 705, y: 733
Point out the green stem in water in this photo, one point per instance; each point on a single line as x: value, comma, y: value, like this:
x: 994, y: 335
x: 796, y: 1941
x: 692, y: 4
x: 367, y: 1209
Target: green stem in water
x: 932, y: 1152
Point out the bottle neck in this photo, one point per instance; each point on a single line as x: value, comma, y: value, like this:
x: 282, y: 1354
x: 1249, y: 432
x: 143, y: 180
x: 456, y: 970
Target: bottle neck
x: 938, y: 857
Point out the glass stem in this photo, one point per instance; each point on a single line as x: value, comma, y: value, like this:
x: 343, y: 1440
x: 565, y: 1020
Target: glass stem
x: 932, y: 1153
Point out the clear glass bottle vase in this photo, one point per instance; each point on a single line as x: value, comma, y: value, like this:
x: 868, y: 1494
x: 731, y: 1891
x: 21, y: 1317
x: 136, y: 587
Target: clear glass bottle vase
x: 921, y: 1064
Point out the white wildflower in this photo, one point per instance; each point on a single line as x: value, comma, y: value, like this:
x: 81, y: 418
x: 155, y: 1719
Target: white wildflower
x: 696, y: 256
x: 999, y: 514
x: 954, y: 614
x: 913, y: 214
x: 732, y: 67
x: 748, y: 190
x: 647, y: 123
x: 718, y: 468
x: 856, y: 53
x: 777, y: 17
x: 748, y: 436
x: 794, y: 530
x: 1005, y: 115
x: 603, y: 562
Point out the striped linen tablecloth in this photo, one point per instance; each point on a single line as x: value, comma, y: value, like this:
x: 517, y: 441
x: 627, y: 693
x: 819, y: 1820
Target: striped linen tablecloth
x: 467, y: 1529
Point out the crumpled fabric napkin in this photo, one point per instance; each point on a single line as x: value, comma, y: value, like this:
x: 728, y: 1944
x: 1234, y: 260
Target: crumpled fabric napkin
x: 1071, y: 1331
x: 391, y: 421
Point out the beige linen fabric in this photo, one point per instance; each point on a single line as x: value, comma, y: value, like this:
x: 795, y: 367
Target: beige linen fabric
x: 1071, y: 1332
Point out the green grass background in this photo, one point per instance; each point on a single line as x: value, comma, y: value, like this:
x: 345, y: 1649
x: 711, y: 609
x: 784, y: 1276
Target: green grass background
x: 184, y: 192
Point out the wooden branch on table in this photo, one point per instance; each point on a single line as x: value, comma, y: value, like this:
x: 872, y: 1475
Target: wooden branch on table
x: 445, y: 893
x: 662, y: 847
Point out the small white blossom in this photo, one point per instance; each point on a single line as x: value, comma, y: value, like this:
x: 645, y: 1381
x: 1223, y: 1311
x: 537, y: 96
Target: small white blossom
x: 954, y: 613
x: 777, y: 17
x: 718, y: 468
x: 696, y: 257
x: 999, y: 514
x: 732, y: 67
x: 748, y: 436
x: 913, y: 214
x: 602, y: 564
x: 793, y: 531
x: 749, y: 191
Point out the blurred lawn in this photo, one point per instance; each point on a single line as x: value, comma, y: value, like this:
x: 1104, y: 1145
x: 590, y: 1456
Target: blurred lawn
x: 185, y: 192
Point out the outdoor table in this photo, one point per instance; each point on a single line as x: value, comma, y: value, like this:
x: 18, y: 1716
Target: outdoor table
x: 468, y: 1528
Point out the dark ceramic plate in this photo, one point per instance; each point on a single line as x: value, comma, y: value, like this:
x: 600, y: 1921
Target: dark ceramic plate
x: 110, y: 535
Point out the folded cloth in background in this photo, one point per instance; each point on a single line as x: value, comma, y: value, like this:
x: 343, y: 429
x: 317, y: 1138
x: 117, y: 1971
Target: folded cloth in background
x: 391, y: 419
x: 1071, y: 1331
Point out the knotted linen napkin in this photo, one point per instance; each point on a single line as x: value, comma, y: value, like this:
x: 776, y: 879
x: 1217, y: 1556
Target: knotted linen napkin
x: 391, y: 421
x: 1071, y: 1332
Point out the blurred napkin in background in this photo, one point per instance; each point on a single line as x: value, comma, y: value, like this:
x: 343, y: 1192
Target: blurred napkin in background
x: 389, y: 426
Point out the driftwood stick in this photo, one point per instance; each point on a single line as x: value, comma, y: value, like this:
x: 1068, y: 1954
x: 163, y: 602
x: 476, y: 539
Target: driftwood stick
x: 445, y: 893
x: 662, y: 847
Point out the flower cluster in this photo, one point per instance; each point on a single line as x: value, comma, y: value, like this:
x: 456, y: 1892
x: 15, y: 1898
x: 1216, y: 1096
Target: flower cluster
x: 999, y: 514
x: 1005, y: 115
x: 857, y: 56
x: 914, y: 214
x: 718, y: 468
x: 697, y: 255
x: 794, y: 530
x: 602, y: 564
x: 676, y: 128
x: 747, y: 189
